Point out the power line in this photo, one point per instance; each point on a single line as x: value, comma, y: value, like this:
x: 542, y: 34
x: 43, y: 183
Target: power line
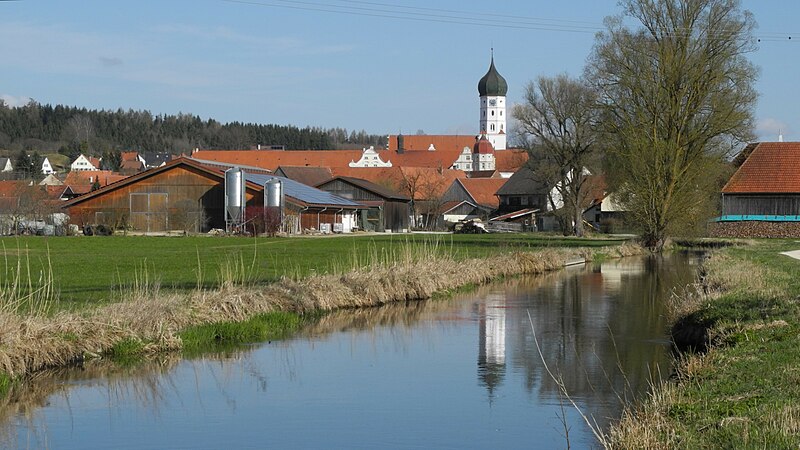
x: 455, y: 17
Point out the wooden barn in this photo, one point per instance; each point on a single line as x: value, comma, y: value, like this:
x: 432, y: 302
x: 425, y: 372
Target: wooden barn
x: 189, y: 195
x: 387, y: 210
x: 762, y: 198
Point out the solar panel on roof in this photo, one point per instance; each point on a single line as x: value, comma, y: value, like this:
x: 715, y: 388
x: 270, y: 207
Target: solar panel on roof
x: 299, y: 191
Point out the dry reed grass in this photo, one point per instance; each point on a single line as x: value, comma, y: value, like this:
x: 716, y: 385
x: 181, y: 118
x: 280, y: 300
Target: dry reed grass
x: 30, y: 343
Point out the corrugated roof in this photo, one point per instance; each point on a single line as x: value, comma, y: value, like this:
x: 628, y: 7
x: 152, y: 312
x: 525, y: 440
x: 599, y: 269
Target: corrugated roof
x: 772, y: 167
x: 372, y: 187
x: 310, y: 176
x: 299, y: 191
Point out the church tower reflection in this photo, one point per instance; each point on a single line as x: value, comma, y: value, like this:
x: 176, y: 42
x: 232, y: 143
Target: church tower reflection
x: 492, y: 343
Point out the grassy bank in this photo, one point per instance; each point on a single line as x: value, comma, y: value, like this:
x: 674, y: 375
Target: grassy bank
x: 87, y: 271
x: 743, y: 390
x: 238, y: 308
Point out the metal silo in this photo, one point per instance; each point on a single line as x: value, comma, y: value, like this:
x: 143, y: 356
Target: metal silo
x: 273, y: 197
x: 234, y: 198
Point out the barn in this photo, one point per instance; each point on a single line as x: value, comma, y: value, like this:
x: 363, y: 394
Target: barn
x: 762, y: 198
x: 189, y: 195
x: 386, y: 210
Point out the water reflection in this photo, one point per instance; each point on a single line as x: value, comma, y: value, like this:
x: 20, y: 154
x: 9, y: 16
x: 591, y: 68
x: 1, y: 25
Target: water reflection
x: 601, y: 328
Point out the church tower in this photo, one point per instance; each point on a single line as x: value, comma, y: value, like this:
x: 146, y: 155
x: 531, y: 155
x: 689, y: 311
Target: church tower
x: 492, y: 89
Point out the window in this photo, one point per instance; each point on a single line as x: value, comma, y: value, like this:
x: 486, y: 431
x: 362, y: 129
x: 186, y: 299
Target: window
x: 492, y: 127
x: 492, y: 112
x: 501, y: 112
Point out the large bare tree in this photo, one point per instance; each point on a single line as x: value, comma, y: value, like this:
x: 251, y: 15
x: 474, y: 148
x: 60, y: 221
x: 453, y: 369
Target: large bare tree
x: 677, y: 95
x: 557, y: 123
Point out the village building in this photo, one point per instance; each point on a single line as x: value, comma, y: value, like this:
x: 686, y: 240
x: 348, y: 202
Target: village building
x: 471, y: 198
x: 386, y: 210
x: 762, y: 198
x: 83, y: 163
x: 131, y: 163
x: 189, y: 195
x: 5, y: 165
x: 47, y: 168
x: 310, y: 176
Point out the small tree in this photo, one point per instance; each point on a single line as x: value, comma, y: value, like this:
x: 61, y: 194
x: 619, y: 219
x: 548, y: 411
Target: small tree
x: 557, y: 124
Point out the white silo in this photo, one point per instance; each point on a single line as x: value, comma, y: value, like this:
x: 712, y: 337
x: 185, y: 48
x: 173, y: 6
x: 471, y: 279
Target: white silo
x: 234, y: 199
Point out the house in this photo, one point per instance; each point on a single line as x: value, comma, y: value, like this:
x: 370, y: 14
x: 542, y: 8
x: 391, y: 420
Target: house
x: 47, y: 168
x: 385, y: 210
x: 5, y: 165
x: 29, y: 208
x: 131, y: 163
x: 762, y: 198
x: 470, y: 198
x: 84, y: 163
x: 605, y: 214
x: 189, y: 195
x: 80, y: 182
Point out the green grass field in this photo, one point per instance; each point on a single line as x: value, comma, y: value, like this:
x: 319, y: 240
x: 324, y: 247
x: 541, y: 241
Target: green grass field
x: 89, y: 270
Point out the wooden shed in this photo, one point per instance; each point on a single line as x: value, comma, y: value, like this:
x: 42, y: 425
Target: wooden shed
x: 386, y: 210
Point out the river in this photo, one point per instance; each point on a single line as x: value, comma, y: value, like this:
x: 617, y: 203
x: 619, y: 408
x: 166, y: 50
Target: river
x: 461, y: 372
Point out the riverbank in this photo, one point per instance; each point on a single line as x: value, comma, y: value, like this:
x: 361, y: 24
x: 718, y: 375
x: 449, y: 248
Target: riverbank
x: 741, y: 388
x: 150, y: 321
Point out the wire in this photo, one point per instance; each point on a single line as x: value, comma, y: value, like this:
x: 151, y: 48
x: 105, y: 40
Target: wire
x: 450, y: 16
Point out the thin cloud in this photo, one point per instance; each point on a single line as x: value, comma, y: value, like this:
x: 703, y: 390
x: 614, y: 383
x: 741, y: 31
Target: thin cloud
x: 13, y: 101
x: 110, y: 62
x: 769, y: 128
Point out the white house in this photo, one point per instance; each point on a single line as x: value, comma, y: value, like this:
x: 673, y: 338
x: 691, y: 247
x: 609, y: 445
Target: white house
x: 5, y: 165
x: 47, y: 168
x: 85, y: 163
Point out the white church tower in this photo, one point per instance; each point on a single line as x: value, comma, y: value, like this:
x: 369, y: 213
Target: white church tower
x: 492, y: 89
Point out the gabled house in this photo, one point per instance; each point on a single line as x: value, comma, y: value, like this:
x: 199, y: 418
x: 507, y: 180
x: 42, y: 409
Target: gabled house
x: 47, y: 168
x: 131, y: 163
x: 85, y: 163
x: 762, y: 198
x: 5, y: 165
x: 469, y: 198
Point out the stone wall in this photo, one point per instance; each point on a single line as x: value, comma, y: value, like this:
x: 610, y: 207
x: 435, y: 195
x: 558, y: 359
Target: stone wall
x: 754, y: 229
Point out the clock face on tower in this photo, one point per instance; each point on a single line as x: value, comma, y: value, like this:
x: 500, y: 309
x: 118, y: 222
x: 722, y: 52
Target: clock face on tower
x: 492, y: 102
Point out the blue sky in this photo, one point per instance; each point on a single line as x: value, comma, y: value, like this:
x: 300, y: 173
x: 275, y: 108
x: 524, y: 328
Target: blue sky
x: 253, y: 61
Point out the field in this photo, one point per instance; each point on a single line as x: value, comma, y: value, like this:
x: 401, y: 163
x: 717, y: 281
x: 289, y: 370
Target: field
x: 91, y: 270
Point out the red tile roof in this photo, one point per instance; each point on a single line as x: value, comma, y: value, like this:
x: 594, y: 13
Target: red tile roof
x: 772, y: 167
x: 129, y: 156
x: 510, y: 160
x: 441, y: 142
x: 483, y: 190
x: 81, y: 177
x: 272, y: 159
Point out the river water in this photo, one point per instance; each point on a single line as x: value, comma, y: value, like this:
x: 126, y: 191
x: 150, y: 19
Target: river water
x: 465, y: 372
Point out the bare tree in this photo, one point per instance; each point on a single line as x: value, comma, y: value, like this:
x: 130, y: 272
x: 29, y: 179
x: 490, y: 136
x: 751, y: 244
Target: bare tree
x: 677, y: 95
x: 557, y: 124
x: 79, y: 129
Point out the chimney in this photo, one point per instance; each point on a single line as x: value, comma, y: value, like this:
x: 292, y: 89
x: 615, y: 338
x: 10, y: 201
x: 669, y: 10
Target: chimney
x: 780, y: 136
x: 258, y: 147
